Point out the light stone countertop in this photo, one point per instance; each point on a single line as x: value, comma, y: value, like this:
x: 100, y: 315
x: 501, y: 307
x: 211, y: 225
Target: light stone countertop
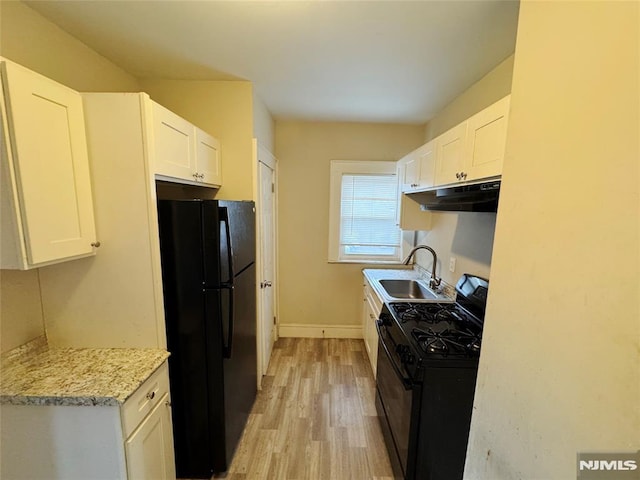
x: 36, y: 374
x: 374, y: 275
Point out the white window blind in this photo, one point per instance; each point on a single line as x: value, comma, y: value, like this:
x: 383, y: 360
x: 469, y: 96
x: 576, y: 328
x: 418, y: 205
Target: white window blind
x: 363, y: 212
x: 368, y: 213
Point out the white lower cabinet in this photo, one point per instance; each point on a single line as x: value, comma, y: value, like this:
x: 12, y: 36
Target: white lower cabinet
x: 149, y: 449
x: 146, y: 422
x: 60, y: 442
x: 371, y: 308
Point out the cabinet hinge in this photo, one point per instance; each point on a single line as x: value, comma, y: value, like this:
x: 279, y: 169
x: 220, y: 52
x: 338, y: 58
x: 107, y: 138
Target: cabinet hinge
x: 273, y: 188
x: 274, y: 321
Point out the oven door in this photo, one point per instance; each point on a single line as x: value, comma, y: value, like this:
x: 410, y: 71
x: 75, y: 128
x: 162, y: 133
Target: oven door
x: 396, y: 407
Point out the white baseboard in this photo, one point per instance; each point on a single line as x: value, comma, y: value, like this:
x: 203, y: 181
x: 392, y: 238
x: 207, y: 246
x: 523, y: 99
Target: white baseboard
x: 299, y: 330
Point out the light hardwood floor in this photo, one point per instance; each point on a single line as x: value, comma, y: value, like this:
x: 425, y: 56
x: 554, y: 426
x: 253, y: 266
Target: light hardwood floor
x: 315, y: 417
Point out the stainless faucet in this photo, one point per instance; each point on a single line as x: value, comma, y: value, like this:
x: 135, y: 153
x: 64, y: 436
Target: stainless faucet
x: 434, y: 281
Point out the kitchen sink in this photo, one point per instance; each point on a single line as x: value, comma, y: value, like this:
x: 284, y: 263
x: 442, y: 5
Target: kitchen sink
x: 409, y: 289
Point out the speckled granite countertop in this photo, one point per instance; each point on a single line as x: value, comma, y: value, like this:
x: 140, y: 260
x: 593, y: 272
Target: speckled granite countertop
x: 36, y: 374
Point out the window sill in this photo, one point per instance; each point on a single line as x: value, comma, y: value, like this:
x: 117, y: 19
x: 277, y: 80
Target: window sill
x: 369, y: 262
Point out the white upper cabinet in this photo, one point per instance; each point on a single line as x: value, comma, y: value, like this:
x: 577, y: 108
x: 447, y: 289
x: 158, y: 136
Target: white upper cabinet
x: 418, y: 168
x: 174, y: 140
x: 409, y: 172
x: 183, y: 152
x: 486, y: 138
x: 208, y: 165
x: 450, y: 149
x: 47, y: 208
x: 427, y: 158
x: 473, y: 149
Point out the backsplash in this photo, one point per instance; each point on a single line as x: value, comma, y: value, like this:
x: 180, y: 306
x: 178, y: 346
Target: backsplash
x: 21, y: 318
x: 467, y: 236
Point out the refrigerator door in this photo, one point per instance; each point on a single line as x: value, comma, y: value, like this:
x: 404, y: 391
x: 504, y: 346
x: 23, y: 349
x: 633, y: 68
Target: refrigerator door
x: 193, y: 336
x: 242, y: 234
x: 240, y: 369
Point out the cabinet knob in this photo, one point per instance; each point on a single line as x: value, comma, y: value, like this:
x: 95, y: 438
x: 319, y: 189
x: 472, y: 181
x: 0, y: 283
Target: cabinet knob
x: 151, y: 395
x: 168, y: 403
x: 196, y: 176
x: 458, y: 175
x: 95, y: 244
x: 463, y: 175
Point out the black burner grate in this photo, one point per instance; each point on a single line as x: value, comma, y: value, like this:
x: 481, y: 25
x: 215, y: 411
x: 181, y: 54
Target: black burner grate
x: 448, y: 341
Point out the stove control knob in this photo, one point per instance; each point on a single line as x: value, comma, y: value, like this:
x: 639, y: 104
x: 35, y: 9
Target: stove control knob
x: 408, y: 358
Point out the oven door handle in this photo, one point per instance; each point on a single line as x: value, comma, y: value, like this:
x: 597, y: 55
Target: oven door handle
x: 406, y: 383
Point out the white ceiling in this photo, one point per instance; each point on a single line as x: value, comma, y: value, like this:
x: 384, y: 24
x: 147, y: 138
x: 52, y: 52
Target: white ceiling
x: 375, y: 61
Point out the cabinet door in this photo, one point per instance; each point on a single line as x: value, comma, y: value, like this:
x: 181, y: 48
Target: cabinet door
x: 370, y: 314
x: 427, y: 159
x: 366, y: 328
x: 208, y: 165
x: 450, y: 149
x: 149, y: 449
x: 486, y: 138
x: 408, y: 172
x: 372, y: 318
x: 173, y: 140
x: 412, y: 173
x: 47, y: 165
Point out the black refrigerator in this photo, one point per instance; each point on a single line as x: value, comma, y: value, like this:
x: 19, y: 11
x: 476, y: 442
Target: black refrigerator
x: 209, y: 282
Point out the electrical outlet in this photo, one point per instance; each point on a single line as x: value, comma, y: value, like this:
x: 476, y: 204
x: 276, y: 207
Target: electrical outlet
x: 452, y: 264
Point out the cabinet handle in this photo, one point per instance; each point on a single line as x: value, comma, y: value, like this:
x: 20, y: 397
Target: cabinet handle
x: 151, y: 395
x: 95, y: 244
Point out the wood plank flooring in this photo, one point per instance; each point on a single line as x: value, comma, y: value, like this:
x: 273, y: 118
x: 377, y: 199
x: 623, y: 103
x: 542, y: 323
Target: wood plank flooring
x: 315, y: 417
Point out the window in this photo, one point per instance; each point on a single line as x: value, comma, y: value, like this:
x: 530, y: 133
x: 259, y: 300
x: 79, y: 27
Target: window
x: 364, y: 212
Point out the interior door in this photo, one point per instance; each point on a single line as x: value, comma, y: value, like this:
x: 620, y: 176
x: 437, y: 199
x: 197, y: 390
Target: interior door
x: 266, y: 221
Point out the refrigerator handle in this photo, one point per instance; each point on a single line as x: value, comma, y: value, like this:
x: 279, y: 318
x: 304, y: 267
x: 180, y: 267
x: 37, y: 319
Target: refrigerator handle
x: 229, y: 339
x: 224, y: 218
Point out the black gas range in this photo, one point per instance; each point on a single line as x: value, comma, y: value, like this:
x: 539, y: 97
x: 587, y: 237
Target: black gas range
x: 427, y: 365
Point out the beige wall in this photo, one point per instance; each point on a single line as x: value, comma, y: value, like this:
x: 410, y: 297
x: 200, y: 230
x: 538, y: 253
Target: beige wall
x: 263, y: 124
x: 29, y: 39
x: 489, y: 89
x: 466, y: 236
x: 312, y: 291
x: 21, y: 316
x: 560, y: 364
x: 225, y: 110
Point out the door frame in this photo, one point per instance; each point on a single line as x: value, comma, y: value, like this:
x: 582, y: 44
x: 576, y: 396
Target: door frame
x: 263, y: 155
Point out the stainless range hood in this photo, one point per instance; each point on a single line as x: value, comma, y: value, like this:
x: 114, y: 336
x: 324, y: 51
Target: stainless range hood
x: 477, y: 197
